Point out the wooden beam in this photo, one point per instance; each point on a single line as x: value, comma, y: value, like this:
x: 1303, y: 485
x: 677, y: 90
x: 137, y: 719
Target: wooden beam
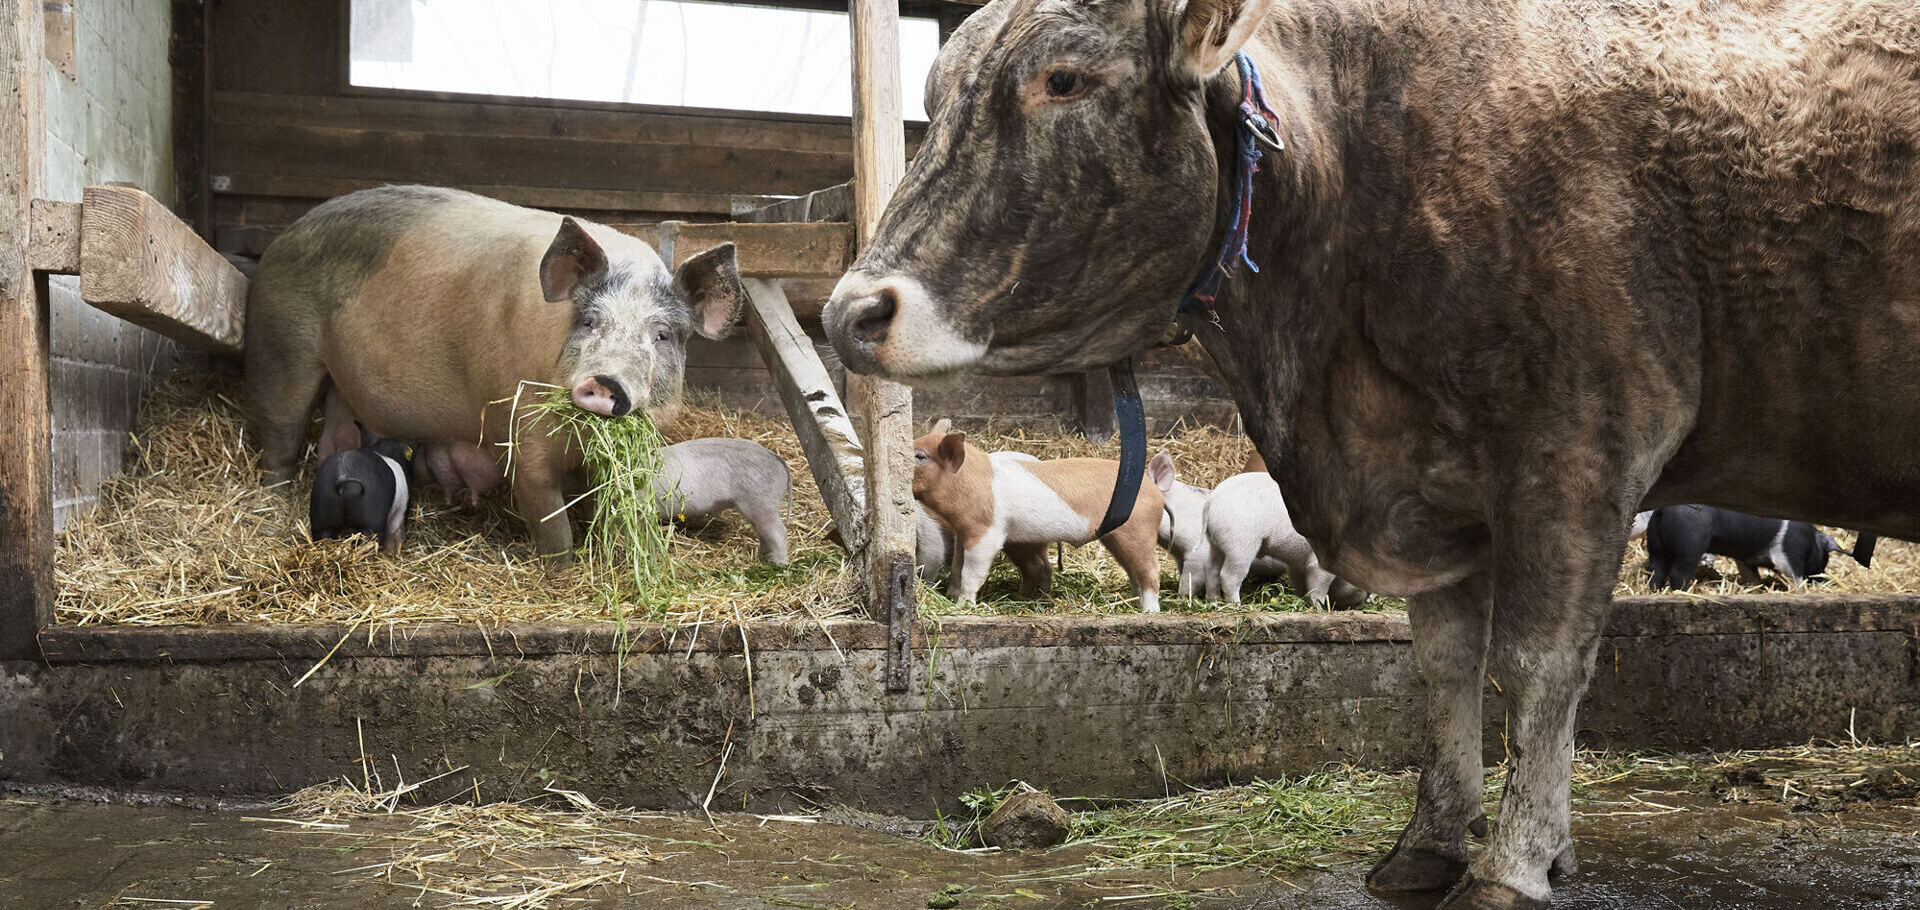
x: 26, y: 431
x: 55, y: 244
x: 1093, y: 395
x: 143, y: 264
x: 879, y: 162
x: 766, y: 250
x: 820, y: 419
x: 835, y: 203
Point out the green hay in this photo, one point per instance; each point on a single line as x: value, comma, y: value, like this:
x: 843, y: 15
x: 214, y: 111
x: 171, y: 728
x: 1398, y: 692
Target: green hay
x: 625, y: 547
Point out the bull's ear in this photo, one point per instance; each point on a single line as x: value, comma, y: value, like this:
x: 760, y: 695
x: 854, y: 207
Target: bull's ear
x: 953, y: 451
x: 710, y: 282
x: 573, y: 260
x: 1162, y: 471
x: 1212, y: 31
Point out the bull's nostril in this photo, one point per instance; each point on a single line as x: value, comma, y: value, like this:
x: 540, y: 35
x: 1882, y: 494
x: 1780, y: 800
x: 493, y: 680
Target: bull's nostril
x: 876, y: 316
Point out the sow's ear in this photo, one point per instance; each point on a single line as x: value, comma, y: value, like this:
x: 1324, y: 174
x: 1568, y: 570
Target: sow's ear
x: 953, y: 451
x: 710, y: 282
x: 573, y: 260
x: 1162, y: 471
x: 1212, y: 31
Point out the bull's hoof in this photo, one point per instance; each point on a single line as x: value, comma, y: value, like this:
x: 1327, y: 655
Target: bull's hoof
x: 1414, y: 870
x: 1566, y: 865
x: 1474, y: 894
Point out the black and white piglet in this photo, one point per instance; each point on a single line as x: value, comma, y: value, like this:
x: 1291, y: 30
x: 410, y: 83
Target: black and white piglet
x: 363, y: 491
x: 1678, y: 536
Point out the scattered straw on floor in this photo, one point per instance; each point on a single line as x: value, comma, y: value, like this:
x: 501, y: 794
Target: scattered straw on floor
x: 560, y: 848
x: 514, y: 855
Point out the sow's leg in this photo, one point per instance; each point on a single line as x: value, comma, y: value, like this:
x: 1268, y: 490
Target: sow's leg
x: 284, y: 378
x: 539, y: 493
x: 1554, y: 571
x: 1450, y: 628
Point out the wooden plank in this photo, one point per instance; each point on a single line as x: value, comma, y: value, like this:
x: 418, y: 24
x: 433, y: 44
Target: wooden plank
x: 143, y: 264
x: 820, y: 419
x: 765, y: 250
x: 26, y: 431
x: 54, y: 246
x: 531, y: 118
x: 443, y: 158
x: 835, y: 203
x: 879, y: 161
x: 1093, y: 398
x: 313, y: 190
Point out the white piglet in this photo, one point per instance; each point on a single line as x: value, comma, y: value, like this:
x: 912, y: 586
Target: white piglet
x: 1247, y: 519
x: 1183, y: 523
x: 701, y: 478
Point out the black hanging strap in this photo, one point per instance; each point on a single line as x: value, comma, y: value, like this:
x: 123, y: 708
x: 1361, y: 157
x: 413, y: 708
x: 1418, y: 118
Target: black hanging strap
x: 1130, y: 420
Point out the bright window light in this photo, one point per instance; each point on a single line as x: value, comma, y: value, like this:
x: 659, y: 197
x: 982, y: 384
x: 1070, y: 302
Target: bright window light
x: 686, y: 53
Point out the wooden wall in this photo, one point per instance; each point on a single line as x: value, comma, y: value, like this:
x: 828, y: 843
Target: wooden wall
x: 284, y: 133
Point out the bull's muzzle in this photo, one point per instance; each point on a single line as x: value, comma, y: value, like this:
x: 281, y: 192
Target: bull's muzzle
x: 890, y: 325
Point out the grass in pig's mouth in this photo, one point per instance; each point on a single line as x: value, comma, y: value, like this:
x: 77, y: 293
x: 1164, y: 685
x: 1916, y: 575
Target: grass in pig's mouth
x: 624, y: 550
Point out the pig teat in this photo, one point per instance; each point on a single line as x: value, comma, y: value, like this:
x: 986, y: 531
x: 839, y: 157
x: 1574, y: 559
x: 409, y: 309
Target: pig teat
x: 602, y: 395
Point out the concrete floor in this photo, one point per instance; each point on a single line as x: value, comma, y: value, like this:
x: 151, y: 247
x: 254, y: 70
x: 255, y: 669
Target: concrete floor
x: 60, y: 853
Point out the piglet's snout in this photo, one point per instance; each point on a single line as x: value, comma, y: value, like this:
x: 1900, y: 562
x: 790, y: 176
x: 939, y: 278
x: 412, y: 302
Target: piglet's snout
x: 602, y: 395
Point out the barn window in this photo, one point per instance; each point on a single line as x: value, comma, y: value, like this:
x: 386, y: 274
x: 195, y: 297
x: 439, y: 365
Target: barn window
x: 683, y: 53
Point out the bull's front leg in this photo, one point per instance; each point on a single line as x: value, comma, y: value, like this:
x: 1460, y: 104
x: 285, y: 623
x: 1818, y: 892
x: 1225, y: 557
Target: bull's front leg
x: 1450, y: 628
x: 1552, y: 583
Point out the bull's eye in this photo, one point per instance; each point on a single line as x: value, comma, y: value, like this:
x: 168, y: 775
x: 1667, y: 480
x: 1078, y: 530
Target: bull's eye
x: 1065, y: 84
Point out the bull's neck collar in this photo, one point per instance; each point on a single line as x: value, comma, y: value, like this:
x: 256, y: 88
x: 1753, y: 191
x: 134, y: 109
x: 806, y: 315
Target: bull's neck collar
x: 1256, y: 131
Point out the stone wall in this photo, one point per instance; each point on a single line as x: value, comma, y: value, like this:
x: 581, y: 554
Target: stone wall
x: 109, y: 119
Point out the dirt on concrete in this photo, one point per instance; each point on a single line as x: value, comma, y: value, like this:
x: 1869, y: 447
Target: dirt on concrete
x: 1640, y: 850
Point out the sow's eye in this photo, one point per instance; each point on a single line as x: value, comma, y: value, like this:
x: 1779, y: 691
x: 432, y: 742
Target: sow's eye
x: 589, y: 321
x: 661, y: 334
x: 1062, y: 84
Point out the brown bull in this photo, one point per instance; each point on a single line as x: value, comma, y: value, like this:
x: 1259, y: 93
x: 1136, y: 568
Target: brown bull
x: 1525, y: 264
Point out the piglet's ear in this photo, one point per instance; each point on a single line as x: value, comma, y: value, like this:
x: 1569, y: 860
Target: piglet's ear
x: 942, y: 427
x: 710, y: 283
x: 1212, y: 31
x: 953, y: 451
x: 1162, y: 471
x: 574, y: 260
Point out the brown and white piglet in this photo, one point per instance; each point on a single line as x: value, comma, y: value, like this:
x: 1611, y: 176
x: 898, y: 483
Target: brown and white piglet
x: 991, y: 503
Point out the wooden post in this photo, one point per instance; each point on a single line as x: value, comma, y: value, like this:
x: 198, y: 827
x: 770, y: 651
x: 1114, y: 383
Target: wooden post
x: 26, y: 431
x: 879, y: 161
x: 1093, y: 394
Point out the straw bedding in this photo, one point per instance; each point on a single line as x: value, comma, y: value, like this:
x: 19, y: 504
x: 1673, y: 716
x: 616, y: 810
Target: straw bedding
x: 188, y: 535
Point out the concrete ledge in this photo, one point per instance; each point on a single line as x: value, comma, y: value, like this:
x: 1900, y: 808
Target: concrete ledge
x: 1080, y: 705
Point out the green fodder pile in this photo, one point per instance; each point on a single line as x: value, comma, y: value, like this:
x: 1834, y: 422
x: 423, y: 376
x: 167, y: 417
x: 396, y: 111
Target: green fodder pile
x: 189, y: 535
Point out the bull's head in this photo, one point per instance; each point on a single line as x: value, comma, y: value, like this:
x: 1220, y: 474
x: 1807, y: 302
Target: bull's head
x: 1064, y: 196
x: 627, y: 347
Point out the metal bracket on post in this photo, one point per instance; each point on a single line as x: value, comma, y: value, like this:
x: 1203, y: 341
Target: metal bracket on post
x: 903, y: 612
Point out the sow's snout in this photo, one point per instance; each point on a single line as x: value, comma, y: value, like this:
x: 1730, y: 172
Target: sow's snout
x: 602, y: 395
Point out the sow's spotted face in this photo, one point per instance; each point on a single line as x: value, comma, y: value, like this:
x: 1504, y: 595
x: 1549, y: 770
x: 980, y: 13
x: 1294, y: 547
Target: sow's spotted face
x: 1063, y: 200
x: 628, y: 344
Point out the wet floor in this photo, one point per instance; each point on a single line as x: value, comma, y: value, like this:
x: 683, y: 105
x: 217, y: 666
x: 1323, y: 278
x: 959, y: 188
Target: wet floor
x: 60, y: 853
